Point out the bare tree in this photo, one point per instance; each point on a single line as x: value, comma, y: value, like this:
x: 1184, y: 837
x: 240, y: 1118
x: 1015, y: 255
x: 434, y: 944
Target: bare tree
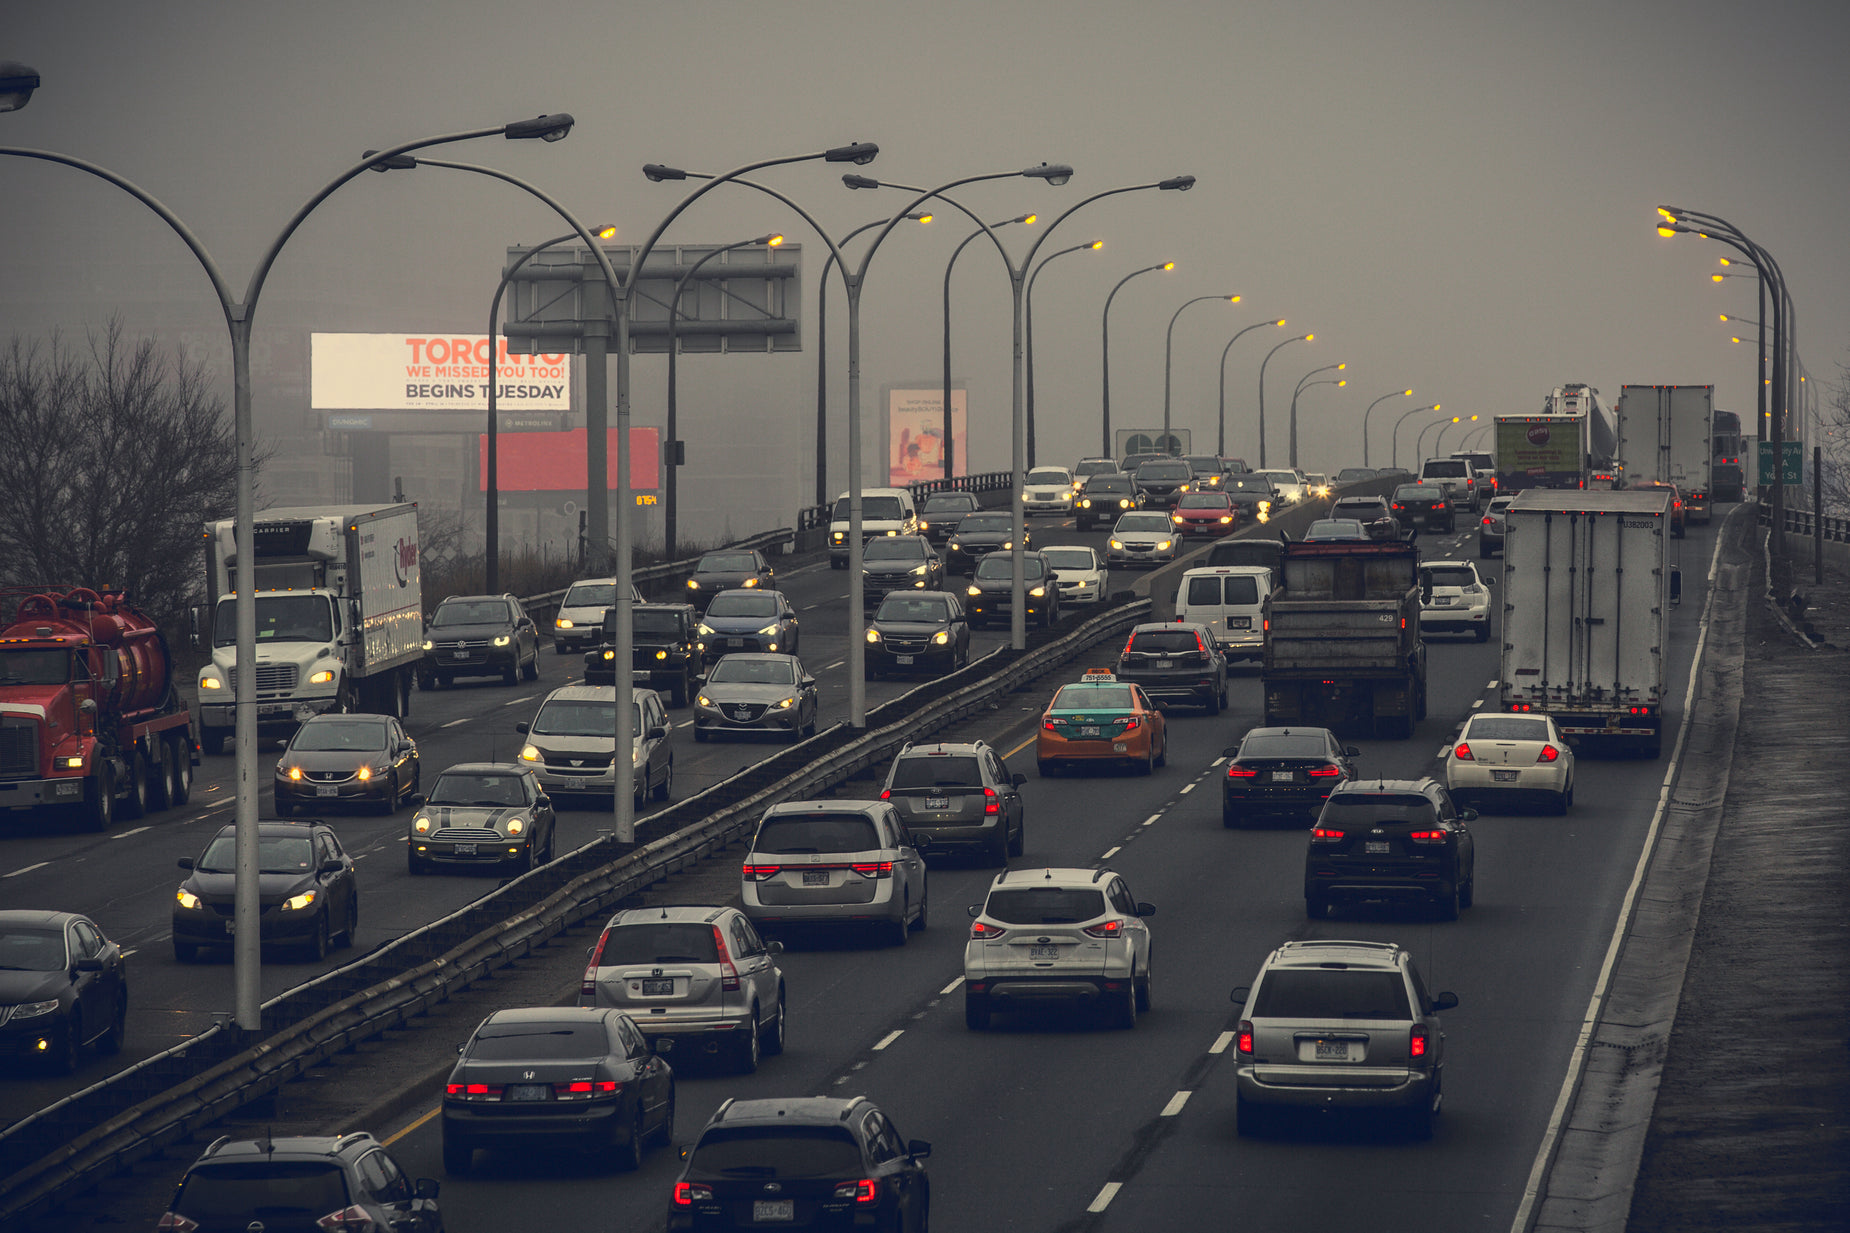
x: 114, y: 456
x: 1835, y: 438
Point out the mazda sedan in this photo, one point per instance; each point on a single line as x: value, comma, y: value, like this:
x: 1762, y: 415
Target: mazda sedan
x: 748, y: 621
x: 747, y: 693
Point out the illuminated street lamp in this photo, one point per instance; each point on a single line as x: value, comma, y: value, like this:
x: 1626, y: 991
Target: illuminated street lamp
x: 1371, y: 410
x: 1169, y: 346
x: 1267, y: 360
x: 1028, y: 310
x: 1026, y: 220
x: 1220, y: 440
x: 1438, y: 442
x: 1394, y: 436
x: 1104, y: 449
x: 1301, y: 387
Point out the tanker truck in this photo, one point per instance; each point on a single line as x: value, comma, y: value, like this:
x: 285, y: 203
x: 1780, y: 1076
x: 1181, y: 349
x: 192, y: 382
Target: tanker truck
x: 89, y: 718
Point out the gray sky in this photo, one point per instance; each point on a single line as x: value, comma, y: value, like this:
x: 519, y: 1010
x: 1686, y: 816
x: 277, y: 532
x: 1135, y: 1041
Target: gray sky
x: 1454, y: 195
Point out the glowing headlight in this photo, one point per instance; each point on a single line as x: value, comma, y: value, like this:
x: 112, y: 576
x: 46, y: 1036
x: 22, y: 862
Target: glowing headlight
x: 1226, y: 518
x: 1116, y: 544
x: 502, y: 640
x: 322, y: 677
x: 1176, y: 518
x: 1124, y: 502
x: 72, y: 763
x: 529, y: 753
x: 1007, y: 546
x: 1038, y: 592
x: 769, y: 629
x: 610, y: 654
x: 661, y: 655
x: 749, y: 582
x: 421, y: 824
x: 1183, y: 488
x: 210, y: 682
x: 942, y: 638
x: 295, y: 773
x: 786, y: 704
x: 1165, y: 546
x: 873, y: 635
x: 1264, y: 506
x: 32, y: 1010
x: 703, y: 700
x: 1086, y: 503
x: 363, y: 774
x: 563, y: 623
x: 515, y: 826
x: 188, y: 899
x: 296, y: 903
x: 705, y: 630
x: 892, y: 532
x: 837, y: 537
x: 427, y: 644
x: 922, y: 570
x: 973, y: 591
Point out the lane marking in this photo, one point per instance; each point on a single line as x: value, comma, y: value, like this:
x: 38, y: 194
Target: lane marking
x: 951, y: 988
x: 889, y: 1038
x: 1221, y: 1042
x: 1494, y: 684
x: 393, y: 1138
x: 1011, y: 753
x: 831, y: 667
x: 1151, y: 820
x: 1105, y: 1195
x: 126, y: 834
x: 1478, y: 703
x: 1108, y: 853
x: 1218, y: 761
x: 457, y: 722
x: 27, y: 869
x: 1187, y: 788
x: 1175, y: 1104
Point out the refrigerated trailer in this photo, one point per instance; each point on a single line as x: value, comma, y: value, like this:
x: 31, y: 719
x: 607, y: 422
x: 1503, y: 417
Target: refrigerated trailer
x: 1666, y: 433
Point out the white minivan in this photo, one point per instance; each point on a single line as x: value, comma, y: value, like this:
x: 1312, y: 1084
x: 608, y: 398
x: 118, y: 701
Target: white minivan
x: 884, y: 511
x: 1230, y: 600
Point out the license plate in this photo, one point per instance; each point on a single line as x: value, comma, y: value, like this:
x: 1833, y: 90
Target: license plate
x: 1165, y: 663
x: 459, y: 654
x: 465, y: 849
x: 741, y: 713
x: 815, y: 877
x: 774, y: 1209
x: 1503, y: 776
x: 657, y: 988
x: 735, y: 642
x: 326, y: 790
x: 274, y: 708
x: 528, y: 1091
x: 1043, y: 952
x: 1282, y: 776
x: 1329, y: 1050
x: 1088, y: 729
x: 1443, y: 601
x: 937, y: 802
x: 231, y: 924
x: 1375, y: 847
x: 904, y: 659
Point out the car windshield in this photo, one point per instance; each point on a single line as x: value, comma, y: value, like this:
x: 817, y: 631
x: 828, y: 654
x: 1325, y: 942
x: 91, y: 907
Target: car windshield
x: 1165, y: 472
x: 936, y: 771
x: 539, y: 1042
x: 1095, y: 466
x: 225, y: 1195
x: 816, y: 832
x: 1358, y: 507
x: 275, y: 854
x: 726, y: 563
x: 660, y: 941
x: 470, y: 788
x: 589, y: 595
x: 873, y: 509
x: 1445, y: 468
x: 48, y: 666
x: 986, y: 524
x: 949, y: 503
x: 324, y: 736
x: 1203, y: 500
x: 582, y: 717
x: 742, y: 604
x: 453, y: 612
x: 1281, y: 477
x: 776, y: 1152
x: 1071, y: 558
x: 904, y: 607
x: 280, y: 618
x: 1506, y: 728
x: 657, y: 624
x: 1048, y: 475
x: 1092, y: 696
x: 31, y: 948
x: 997, y: 565
x: 1452, y: 576
x: 1164, y: 642
x: 1143, y: 522
x: 1108, y: 484
x: 1298, y: 745
x: 1331, y: 993
x: 895, y: 548
x: 1419, y: 492
x: 1250, y: 483
x: 735, y: 670
x: 1203, y: 464
x: 1044, y: 905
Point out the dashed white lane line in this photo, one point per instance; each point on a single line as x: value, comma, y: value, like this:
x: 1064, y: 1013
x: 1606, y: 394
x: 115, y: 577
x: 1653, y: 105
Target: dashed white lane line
x: 454, y: 723
x: 1187, y: 788
x: 889, y: 1038
x: 1221, y: 1042
x: 1108, y: 853
x: 1175, y: 1104
x: 1478, y: 703
x: 27, y: 869
x: 1151, y: 820
x: 1106, y: 1194
x: 126, y: 834
x: 1218, y: 760
x: 1493, y: 684
x: 831, y: 667
x: 951, y: 988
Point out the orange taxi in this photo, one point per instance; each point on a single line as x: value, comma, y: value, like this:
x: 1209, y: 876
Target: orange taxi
x: 1101, y: 719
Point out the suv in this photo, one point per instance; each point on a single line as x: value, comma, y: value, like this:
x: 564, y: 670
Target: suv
x: 899, y: 563
x: 1456, y: 476
x: 1374, y: 515
x: 847, y: 861
x: 1054, y: 937
x: 1049, y: 490
x: 1339, y: 1025
x: 958, y: 796
x: 479, y: 635
x: 665, y: 650
x: 1490, y: 528
x: 301, y: 1182
x: 1484, y: 466
x: 1105, y: 497
x: 1424, y: 507
x: 691, y: 978
x: 1176, y: 659
x: 1162, y: 480
x: 1253, y: 495
x: 942, y: 511
x: 884, y: 511
x: 812, y: 1162
x: 991, y: 593
x: 1391, y: 841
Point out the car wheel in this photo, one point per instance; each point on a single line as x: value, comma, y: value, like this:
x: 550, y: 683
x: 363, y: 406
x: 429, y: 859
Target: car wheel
x: 810, y: 728
x: 677, y: 692
x: 999, y: 850
x: 1449, y: 902
x: 351, y: 929
x: 182, y: 772
x: 1019, y: 841
x: 664, y: 1134
x: 1143, y: 991
x: 1567, y: 802
x: 71, y: 1056
x: 1162, y: 756
x: 771, y: 1039
x: 185, y: 952
x: 918, y: 922
x: 161, y: 776
x: 118, y: 1026
x: 665, y: 788
x: 976, y: 1012
x: 415, y: 867
x: 1468, y: 895
x: 1044, y: 768
x: 1212, y: 705
x: 458, y: 1155
x: 1123, y: 1015
x: 1483, y: 633
x: 428, y: 683
x: 747, y: 1063
x: 1249, y: 1119
x: 318, y: 944
x: 1148, y: 765
x: 389, y: 805
x: 533, y: 665
x: 629, y: 1152
x: 901, y: 930
x: 99, y: 807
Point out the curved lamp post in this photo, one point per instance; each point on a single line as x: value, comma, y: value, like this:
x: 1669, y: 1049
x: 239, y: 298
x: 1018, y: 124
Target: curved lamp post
x: 1262, y: 363
x: 1371, y: 410
x: 1028, y: 309
x: 1394, y: 436
x: 1305, y: 383
x: 1438, y: 442
x: 1026, y: 220
x: 1104, y: 449
x: 1169, y: 346
x: 1419, y: 440
x: 1220, y: 439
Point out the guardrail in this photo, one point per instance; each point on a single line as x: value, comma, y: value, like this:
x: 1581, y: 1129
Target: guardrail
x: 113, y: 1124
x: 816, y: 517
x: 1801, y: 522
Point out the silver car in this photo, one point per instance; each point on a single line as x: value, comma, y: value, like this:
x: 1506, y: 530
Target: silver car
x: 1082, y: 576
x: 569, y: 743
x: 482, y: 814
x: 1058, y: 938
x: 693, y: 979
x: 835, y: 861
x: 757, y: 692
x: 580, y: 619
x: 1141, y: 538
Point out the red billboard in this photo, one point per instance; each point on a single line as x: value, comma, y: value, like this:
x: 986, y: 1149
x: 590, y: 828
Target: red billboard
x: 555, y: 461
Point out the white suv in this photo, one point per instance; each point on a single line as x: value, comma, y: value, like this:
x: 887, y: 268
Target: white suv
x: 1454, y: 599
x: 1058, y: 937
x: 1457, y: 476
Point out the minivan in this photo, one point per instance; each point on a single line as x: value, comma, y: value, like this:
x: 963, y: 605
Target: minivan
x: 884, y: 511
x: 1230, y: 601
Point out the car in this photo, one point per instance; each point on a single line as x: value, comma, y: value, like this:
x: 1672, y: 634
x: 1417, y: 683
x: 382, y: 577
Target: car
x: 1210, y: 470
x: 1514, y: 758
x: 942, y: 511
x: 63, y: 988
x: 1423, y: 507
x: 569, y: 751
x: 1484, y: 469
x: 694, y: 978
x: 1319, y: 485
x: 1205, y: 513
x: 960, y: 796
x: 1058, y: 938
x: 479, y: 635
x: 1283, y: 772
x: 899, y: 563
x: 991, y: 593
x: 666, y: 650
x: 757, y: 692
x: 1079, y: 572
x: 979, y: 534
x: 1105, y: 497
x: 308, y: 894
x: 1253, y: 495
x: 1375, y: 514
x: 1229, y: 600
x: 581, y: 612
x: 337, y: 759
x: 1048, y: 490
x: 1101, y: 719
x: 1290, y: 485
x: 1391, y: 841
x: 1142, y: 538
x: 1234, y: 466
x: 1087, y: 468
x: 836, y: 862
x: 748, y: 621
x: 884, y: 511
x: 730, y: 569
x: 918, y: 629
x: 1354, y: 475
x: 1178, y: 660
x: 1454, y: 599
x: 542, y: 1078
x: 1332, y: 1026
x: 812, y: 1162
x: 1133, y: 462
x: 1456, y: 476
x: 1491, y: 526
x: 1163, y: 480
x: 492, y: 815
x: 1677, y: 512
x: 280, y: 1182
x: 1345, y: 530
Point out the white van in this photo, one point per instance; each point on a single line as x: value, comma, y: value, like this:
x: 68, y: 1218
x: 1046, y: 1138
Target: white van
x: 1230, y: 600
x: 884, y: 511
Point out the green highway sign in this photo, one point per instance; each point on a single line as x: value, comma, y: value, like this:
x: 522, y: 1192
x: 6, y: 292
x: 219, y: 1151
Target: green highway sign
x: 1792, y: 470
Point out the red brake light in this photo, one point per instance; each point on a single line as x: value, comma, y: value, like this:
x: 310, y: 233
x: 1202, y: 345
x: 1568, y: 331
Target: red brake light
x: 728, y: 974
x: 688, y: 1193
x: 873, y: 869
x: 886, y: 794
x: 864, y: 1191
x: 589, y: 986
x: 1050, y: 725
x: 1325, y: 771
x: 1549, y: 754
x: 586, y: 1089
x: 987, y: 932
x: 992, y: 804
x: 1236, y: 771
x: 1130, y: 724
x: 1106, y: 929
x: 1426, y: 836
x: 1416, y: 1041
x: 1326, y: 836
x: 1487, y: 520
x: 1243, y: 1040
x: 1463, y: 753
x: 758, y: 873
x: 347, y: 1220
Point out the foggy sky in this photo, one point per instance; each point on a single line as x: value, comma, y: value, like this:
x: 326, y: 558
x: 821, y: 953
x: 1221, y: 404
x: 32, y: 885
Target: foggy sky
x: 1454, y: 195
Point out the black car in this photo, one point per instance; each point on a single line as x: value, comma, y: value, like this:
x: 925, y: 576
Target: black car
x: 1105, y: 497
x: 1253, y: 495
x: 726, y: 570
x: 918, y: 629
x: 981, y: 533
x: 307, y: 893
x: 1176, y: 659
x: 1283, y: 772
x: 959, y: 796
x: 63, y: 986
x: 1354, y: 475
x: 1162, y: 480
x: 810, y: 1162
x: 748, y: 621
x: 546, y: 1077
x: 339, y: 760
x: 301, y: 1183
x: 1210, y: 471
x: 666, y: 652
x: 1423, y: 507
x: 1376, y: 517
x: 899, y: 563
x: 991, y: 592
x: 942, y: 511
x: 1391, y: 841
x: 479, y: 635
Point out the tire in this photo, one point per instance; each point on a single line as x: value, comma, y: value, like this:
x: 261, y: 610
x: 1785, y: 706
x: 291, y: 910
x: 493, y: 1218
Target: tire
x: 344, y: 939
x: 700, y: 734
x: 1162, y: 759
x: 389, y: 805
x: 160, y: 777
x: 415, y: 867
x: 1123, y: 1016
x: 185, y: 952
x: 629, y: 1152
x: 665, y: 789
x: 182, y: 771
x: 533, y: 665
x: 1449, y: 903
x: 113, y: 1039
x: 999, y: 852
x: 99, y: 807
x: 918, y: 922
x: 1044, y: 769
x: 976, y: 1013
x: 458, y: 1156
x: 678, y: 692
x: 71, y: 1056
x: 559, y: 647
x: 1148, y: 765
x: 771, y: 1039
x: 1568, y: 803
x: 664, y: 1134
x: 1019, y: 843
x: 809, y: 729
x: 319, y: 943
x: 511, y: 675
x: 1468, y: 895
x: 1143, y: 991
x: 1558, y: 806
x: 430, y: 682
x: 135, y: 804
x: 746, y: 1063
x: 835, y: 564
x: 902, y: 928
x: 1483, y: 633
x: 1212, y: 706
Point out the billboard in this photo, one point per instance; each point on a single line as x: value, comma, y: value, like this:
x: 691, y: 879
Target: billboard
x: 1539, y: 451
x: 430, y: 372
x: 555, y: 461
x: 915, y: 435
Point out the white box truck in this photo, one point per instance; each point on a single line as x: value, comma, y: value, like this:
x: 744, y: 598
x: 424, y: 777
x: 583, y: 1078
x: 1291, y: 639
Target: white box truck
x: 1587, y: 591
x: 1666, y: 433
x: 340, y: 616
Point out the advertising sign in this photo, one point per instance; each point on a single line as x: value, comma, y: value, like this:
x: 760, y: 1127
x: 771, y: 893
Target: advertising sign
x: 555, y: 461
x: 428, y: 372
x: 915, y: 435
x: 1538, y: 451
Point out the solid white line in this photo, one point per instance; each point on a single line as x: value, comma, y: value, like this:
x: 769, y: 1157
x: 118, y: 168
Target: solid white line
x: 457, y: 722
x: 1108, y: 853
x: 1151, y: 820
x: 1221, y: 1042
x: 1175, y: 1105
x: 1105, y: 1196
x: 126, y: 834
x: 1187, y: 788
x: 27, y: 869
x: 889, y: 1038
x: 951, y: 988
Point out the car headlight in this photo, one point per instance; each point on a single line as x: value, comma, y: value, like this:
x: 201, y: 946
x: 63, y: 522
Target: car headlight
x: 1038, y: 592
x: 873, y: 635
x: 210, y: 682
x: 769, y: 629
x: 74, y: 762
x: 516, y: 825
x: 188, y: 899
x: 32, y: 1010
x: 1226, y: 518
x: 1264, y: 506
x: 421, y: 823
x: 1124, y: 502
x: 363, y: 774
x: 1183, y: 488
x: 563, y: 623
x: 703, y: 700
x: 1085, y: 502
x: 661, y: 655
x: 955, y: 546
x: 1165, y: 546
x: 892, y: 532
x: 705, y: 630
x: 295, y: 903
x: 1008, y: 545
x: 837, y: 537
x: 786, y: 704
x: 922, y: 570
x: 942, y: 638
x: 529, y: 753
x: 502, y: 639
x: 1176, y: 518
x: 295, y: 773
x: 322, y: 677
x: 749, y: 582
x: 973, y: 591
x: 428, y: 644
x: 1116, y: 544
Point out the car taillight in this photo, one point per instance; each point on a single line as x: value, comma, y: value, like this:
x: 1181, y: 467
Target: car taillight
x: 758, y: 873
x: 1426, y: 836
x: 1320, y: 835
x: 1522, y: 706
x: 867, y: 1190
x: 1050, y: 725
x: 174, y: 1222
x: 987, y: 932
x: 1130, y: 724
x: 1325, y: 771
x: 589, y: 987
x: 472, y: 1091
x: 1243, y: 1039
x: 1549, y: 754
x: 992, y: 804
x: 1641, y: 710
x: 1463, y: 753
x: 688, y: 1193
x: 1486, y: 520
x: 347, y: 1220
x: 873, y: 869
x: 1416, y: 1041
x: 1241, y: 772
x: 728, y: 975
x: 586, y: 1089
x: 886, y: 794
x: 1106, y: 929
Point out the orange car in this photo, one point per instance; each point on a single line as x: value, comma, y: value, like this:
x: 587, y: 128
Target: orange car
x: 1100, y: 718
x: 1676, y: 502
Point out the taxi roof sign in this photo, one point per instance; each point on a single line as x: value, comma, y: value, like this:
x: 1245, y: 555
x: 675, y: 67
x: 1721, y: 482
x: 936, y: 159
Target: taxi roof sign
x: 1099, y: 674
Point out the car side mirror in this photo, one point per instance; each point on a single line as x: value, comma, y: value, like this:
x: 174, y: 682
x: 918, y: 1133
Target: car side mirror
x: 1018, y: 779
x: 918, y: 1149
x: 1445, y: 1001
x: 427, y: 1187
x: 89, y: 963
x: 523, y: 727
x: 1232, y: 751
x: 920, y: 842
x: 1159, y: 704
x: 1350, y: 751
x: 773, y: 948
x: 1240, y: 994
x: 1146, y: 909
x: 1467, y: 815
x: 808, y: 681
x: 331, y: 865
x: 975, y: 909
x: 658, y: 731
x: 185, y: 862
x: 1676, y: 586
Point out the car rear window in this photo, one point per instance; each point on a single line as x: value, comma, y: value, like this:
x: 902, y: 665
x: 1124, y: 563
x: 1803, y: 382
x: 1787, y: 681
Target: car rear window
x: 540, y: 1042
x: 1331, y: 993
x: 218, y: 1193
x: 1453, y: 577
x: 1452, y: 468
x: 1093, y: 698
x: 776, y: 1152
x: 821, y: 832
x: 1355, y: 810
x: 936, y: 771
x: 1500, y: 728
x: 1354, y: 508
x: 1419, y: 492
x: 1164, y: 642
x: 1284, y: 747
x: 660, y: 941
x: 1044, y: 905
x: 1240, y: 589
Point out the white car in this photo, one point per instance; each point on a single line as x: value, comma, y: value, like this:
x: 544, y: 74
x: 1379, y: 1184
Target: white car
x: 579, y: 623
x: 1290, y: 485
x: 1143, y: 538
x: 1455, y: 599
x: 1515, y: 757
x: 1058, y: 939
x: 1048, y: 490
x: 1083, y: 578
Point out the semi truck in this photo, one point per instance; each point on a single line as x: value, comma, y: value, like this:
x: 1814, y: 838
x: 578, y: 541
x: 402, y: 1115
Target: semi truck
x: 1587, y: 591
x: 1342, y: 638
x: 90, y: 721
x: 1666, y: 433
x: 340, y: 617
x: 1570, y: 444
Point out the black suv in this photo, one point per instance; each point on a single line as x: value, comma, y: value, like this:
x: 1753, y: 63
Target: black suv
x: 978, y: 533
x: 301, y: 1184
x: 811, y: 1162
x: 1162, y: 480
x: 665, y: 650
x: 1105, y: 497
x: 918, y: 629
x: 1424, y: 507
x: 942, y: 511
x: 962, y: 796
x: 1391, y: 841
x: 479, y: 635
x: 1176, y: 659
x: 899, y: 563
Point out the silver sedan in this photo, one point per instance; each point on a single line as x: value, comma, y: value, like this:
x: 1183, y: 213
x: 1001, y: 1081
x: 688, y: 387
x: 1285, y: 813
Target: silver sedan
x: 757, y: 692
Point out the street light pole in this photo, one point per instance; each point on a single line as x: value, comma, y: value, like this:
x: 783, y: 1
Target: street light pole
x: 1371, y: 410
x: 1262, y: 363
x: 1394, y: 436
x: 1220, y: 440
x: 1027, y: 220
x: 1077, y: 248
x: 1419, y: 440
x: 1438, y: 442
x: 1104, y: 449
x: 1169, y: 342
x: 1301, y: 387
